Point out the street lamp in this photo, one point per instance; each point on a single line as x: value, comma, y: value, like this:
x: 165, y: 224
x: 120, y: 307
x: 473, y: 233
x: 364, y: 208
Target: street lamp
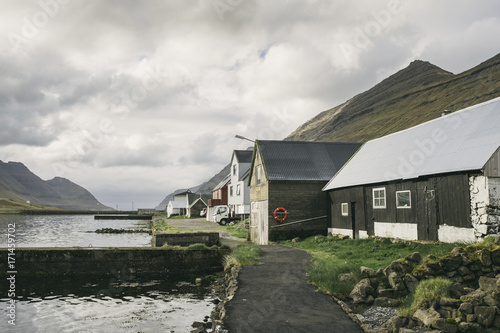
x: 243, y: 138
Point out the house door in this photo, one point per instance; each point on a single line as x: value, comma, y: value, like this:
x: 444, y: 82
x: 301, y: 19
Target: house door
x: 427, y: 211
x: 259, y: 223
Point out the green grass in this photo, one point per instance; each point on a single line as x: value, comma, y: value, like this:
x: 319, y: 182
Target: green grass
x: 245, y: 255
x: 428, y: 292
x: 332, y: 256
x: 160, y: 225
x: 237, y: 230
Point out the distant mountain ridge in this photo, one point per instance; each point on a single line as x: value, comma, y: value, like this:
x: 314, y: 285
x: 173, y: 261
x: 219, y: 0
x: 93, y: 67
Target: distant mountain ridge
x: 415, y: 94
x: 18, y: 183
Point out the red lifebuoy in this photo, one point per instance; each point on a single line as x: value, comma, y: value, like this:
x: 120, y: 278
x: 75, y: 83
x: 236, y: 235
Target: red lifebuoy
x: 280, y: 210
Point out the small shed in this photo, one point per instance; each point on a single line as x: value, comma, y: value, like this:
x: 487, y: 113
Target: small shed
x: 291, y: 175
x: 439, y: 180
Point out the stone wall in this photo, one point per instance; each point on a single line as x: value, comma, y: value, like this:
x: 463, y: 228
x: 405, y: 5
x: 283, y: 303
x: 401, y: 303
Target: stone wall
x: 475, y: 295
x: 485, y: 205
x: 146, y: 262
x: 185, y: 239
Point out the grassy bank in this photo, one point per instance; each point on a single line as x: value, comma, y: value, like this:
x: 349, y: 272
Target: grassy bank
x: 333, y: 256
x: 9, y: 206
x: 244, y: 255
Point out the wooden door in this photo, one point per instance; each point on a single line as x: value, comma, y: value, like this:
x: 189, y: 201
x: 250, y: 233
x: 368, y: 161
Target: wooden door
x: 259, y: 222
x: 427, y: 211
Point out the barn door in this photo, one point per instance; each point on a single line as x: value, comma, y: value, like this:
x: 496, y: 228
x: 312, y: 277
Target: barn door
x: 259, y: 224
x: 427, y: 211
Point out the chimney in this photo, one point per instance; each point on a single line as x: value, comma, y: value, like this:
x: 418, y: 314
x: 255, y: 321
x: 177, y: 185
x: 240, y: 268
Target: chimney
x: 445, y: 113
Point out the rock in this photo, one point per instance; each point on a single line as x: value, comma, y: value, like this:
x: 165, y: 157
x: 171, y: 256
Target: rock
x: 414, y: 257
x: 490, y: 300
x: 411, y: 282
x: 475, y: 266
x: 347, y: 278
x: 451, y: 262
x: 396, y: 281
x: 362, y: 292
x: 296, y: 240
x: 447, y: 301
x: 368, y: 272
x: 426, y: 316
x: 475, y: 297
x: 394, y: 324
x: 485, y: 257
x: 198, y: 280
x: 457, y: 290
x: 465, y: 259
x: 485, y: 314
x: 466, y: 308
x: 496, y: 322
x: 469, y: 327
x: 398, y: 267
x: 471, y: 318
x: 406, y: 330
x: 495, y: 257
x: 386, y: 302
x: 391, y: 293
x: 487, y: 284
x: 463, y: 270
x: 443, y: 326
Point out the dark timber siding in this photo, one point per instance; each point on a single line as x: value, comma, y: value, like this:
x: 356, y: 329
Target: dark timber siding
x: 302, y: 200
x: 435, y: 201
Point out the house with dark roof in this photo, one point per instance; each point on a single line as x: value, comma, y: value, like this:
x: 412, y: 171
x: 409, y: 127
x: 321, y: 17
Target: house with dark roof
x: 219, y: 197
x: 286, y: 180
x: 186, y: 203
x: 239, y: 191
x: 439, y: 180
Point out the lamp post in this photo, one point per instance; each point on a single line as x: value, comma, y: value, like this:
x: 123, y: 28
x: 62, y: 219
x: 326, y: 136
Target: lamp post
x: 243, y: 138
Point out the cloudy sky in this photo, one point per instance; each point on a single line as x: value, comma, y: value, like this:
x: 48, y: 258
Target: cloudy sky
x: 134, y: 99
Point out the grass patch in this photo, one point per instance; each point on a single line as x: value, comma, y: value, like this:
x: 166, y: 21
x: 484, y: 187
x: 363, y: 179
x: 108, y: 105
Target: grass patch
x: 245, y: 255
x: 428, y: 292
x: 332, y: 256
x: 160, y: 225
x: 237, y: 230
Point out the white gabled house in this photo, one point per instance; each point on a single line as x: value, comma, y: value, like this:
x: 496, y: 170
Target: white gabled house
x: 238, y: 197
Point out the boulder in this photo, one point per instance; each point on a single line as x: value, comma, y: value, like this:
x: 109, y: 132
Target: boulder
x: 368, y: 272
x: 443, y: 326
x: 362, y: 292
x: 485, y: 315
x: 463, y: 270
x: 485, y: 257
x: 495, y: 257
x: 411, y: 282
x: 426, y: 316
x: 396, y: 281
x: 386, y: 302
x: 394, y: 324
x: 466, y: 308
x: 465, y: 327
x: 447, y: 301
x: 475, y: 298
x: 451, y: 262
x: 398, y: 267
x: 414, y: 257
x: 347, y: 278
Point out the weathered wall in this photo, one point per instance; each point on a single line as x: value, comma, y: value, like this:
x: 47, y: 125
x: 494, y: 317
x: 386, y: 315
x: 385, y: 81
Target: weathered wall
x: 485, y: 205
x: 303, y: 200
x: 185, y: 239
x: 146, y: 262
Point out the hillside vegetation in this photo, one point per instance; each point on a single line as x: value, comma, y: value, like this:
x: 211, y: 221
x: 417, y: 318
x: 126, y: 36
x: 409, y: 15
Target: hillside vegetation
x: 411, y: 96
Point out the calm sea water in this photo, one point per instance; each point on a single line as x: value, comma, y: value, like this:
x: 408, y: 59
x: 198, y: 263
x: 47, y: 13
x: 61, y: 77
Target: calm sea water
x: 96, y: 305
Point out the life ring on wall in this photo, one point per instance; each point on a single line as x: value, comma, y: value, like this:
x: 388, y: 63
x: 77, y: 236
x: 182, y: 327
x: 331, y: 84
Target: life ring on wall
x: 280, y: 211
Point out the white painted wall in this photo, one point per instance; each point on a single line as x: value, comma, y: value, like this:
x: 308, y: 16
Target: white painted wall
x: 407, y: 231
x: 450, y: 234
x: 485, y: 205
x: 345, y: 232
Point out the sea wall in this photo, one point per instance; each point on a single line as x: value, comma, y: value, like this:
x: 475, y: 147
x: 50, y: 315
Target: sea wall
x: 140, y: 262
x: 186, y: 239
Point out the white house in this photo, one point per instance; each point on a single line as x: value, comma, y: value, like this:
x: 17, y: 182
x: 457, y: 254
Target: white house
x: 238, y: 197
x: 179, y: 204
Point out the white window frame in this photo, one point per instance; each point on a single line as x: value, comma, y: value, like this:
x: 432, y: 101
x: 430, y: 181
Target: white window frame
x: 259, y: 180
x: 397, y: 203
x: 378, y: 198
x: 346, y: 206
x: 231, y: 190
x: 238, y: 189
x: 234, y: 169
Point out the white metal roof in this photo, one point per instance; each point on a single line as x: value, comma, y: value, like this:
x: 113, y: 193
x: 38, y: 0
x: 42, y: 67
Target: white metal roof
x: 461, y: 141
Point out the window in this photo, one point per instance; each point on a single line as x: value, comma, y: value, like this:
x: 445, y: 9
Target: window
x: 230, y: 191
x: 403, y: 199
x: 221, y: 210
x: 234, y: 169
x: 344, y: 207
x: 258, y: 175
x: 238, y: 189
x: 379, y: 197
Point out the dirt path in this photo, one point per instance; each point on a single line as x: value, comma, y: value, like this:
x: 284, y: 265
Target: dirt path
x: 202, y: 225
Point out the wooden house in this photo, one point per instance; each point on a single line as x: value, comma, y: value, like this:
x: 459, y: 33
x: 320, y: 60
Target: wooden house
x: 439, y: 180
x: 219, y: 197
x: 289, y: 176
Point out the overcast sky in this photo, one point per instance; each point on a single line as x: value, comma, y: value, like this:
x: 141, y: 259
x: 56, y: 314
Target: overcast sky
x: 134, y: 99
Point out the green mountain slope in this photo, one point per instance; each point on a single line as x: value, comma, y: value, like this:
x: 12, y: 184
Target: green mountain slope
x: 411, y: 96
x: 18, y: 183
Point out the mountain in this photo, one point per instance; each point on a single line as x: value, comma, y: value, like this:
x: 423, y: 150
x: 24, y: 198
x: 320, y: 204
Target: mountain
x: 416, y: 94
x: 18, y: 183
x: 203, y: 189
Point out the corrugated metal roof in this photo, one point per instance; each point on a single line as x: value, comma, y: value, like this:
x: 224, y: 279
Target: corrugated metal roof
x: 461, y: 141
x: 300, y: 160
